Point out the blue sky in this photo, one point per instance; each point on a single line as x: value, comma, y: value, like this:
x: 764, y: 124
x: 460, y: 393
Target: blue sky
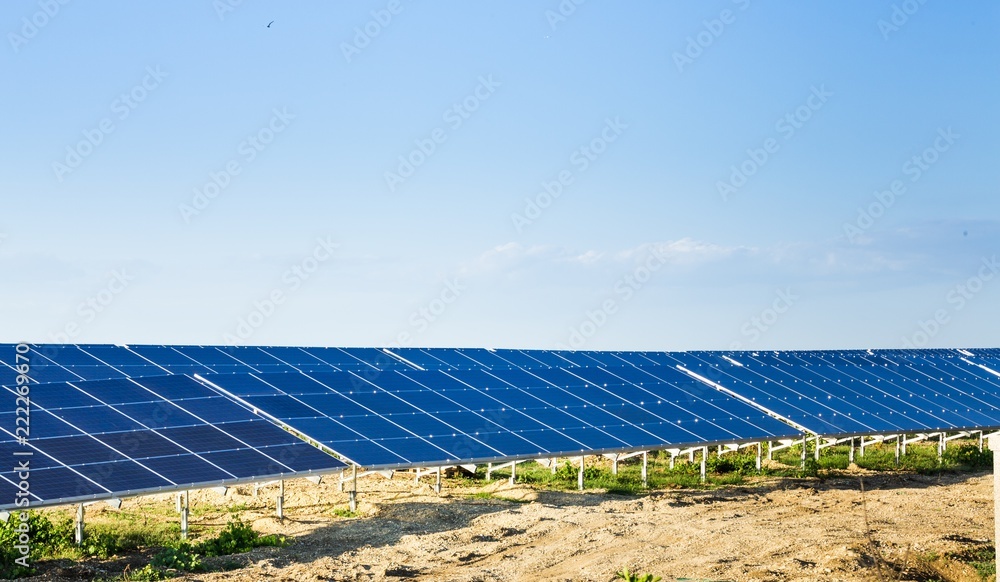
x: 642, y: 175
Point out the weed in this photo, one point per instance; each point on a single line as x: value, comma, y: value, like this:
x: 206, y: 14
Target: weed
x: 624, y: 574
x: 969, y: 456
x: 183, y: 557
x: 237, y: 538
x: 982, y: 559
x: 32, y: 532
x: 147, y: 573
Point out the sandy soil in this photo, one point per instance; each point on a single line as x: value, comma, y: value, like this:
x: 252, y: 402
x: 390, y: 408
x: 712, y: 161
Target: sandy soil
x: 773, y: 530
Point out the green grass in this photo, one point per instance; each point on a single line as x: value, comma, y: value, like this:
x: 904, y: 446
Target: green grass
x: 51, y: 537
x: 628, y: 481
x: 919, y: 458
x: 982, y: 559
x: 345, y: 513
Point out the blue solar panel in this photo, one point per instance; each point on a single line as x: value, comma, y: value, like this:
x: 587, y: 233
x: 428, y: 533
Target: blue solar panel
x: 116, y: 356
x: 83, y: 447
x: 162, y: 355
x: 425, y: 406
x: 432, y: 417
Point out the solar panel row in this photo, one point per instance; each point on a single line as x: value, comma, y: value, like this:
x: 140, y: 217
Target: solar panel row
x: 424, y: 407
x: 110, y: 438
x: 433, y: 417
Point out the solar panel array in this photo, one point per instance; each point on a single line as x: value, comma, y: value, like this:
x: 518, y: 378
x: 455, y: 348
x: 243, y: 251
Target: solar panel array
x: 435, y: 417
x: 95, y: 432
x: 111, y: 438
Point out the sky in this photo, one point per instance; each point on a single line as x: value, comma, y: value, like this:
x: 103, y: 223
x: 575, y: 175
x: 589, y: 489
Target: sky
x: 727, y: 174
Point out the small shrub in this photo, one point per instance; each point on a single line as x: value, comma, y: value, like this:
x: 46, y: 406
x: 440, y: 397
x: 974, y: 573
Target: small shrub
x: 732, y: 463
x: 566, y: 472
x: 809, y: 469
x: 100, y: 544
x: 969, y: 456
x: 624, y: 574
x: 145, y: 574
x: 44, y: 538
x: 834, y: 461
x: 182, y: 557
x: 236, y: 538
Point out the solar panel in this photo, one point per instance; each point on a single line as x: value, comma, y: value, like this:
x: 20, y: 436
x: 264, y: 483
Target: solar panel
x: 854, y: 392
x: 116, y: 438
x: 409, y: 407
x: 414, y: 418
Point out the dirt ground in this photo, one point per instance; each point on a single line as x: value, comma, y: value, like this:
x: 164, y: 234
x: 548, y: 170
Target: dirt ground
x: 772, y: 530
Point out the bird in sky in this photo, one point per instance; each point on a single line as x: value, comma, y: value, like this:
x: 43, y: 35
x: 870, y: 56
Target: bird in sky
x: 269, y: 24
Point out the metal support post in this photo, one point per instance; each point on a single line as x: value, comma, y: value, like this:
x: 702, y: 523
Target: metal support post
x: 803, y: 460
x: 513, y: 472
x: 78, y: 530
x: 769, y: 447
x: 817, y: 448
x: 897, y: 450
x: 704, y: 456
x: 489, y: 471
x: 850, y: 452
x: 353, y: 495
x: 644, y: 479
x: 437, y: 484
x: 552, y: 465
x: 579, y: 476
x: 904, y: 444
x: 759, y: 447
x: 281, y: 499
x: 184, y: 516
x: 614, y: 465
